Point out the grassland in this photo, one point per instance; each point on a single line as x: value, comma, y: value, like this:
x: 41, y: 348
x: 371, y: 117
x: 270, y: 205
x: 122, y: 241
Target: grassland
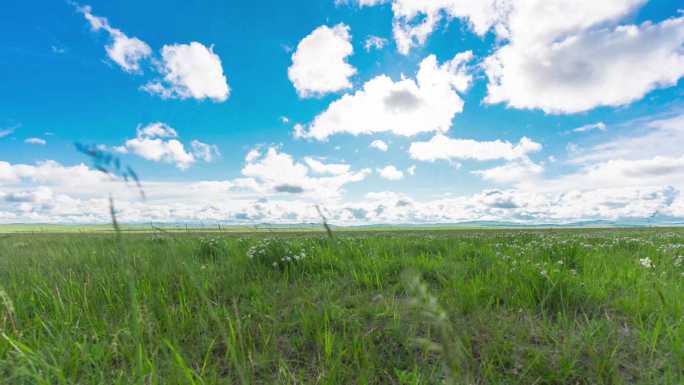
x: 458, y: 307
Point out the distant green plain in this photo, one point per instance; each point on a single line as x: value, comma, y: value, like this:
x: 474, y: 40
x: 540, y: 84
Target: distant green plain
x: 84, y: 305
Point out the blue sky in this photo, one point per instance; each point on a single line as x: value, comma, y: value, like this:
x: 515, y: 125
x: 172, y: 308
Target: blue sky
x: 530, y: 111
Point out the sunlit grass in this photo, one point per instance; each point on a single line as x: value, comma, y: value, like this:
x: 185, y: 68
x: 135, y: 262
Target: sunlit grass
x: 487, y: 307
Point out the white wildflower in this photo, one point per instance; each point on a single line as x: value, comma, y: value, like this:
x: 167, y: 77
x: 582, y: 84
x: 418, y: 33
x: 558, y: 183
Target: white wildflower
x: 646, y: 262
x: 679, y: 260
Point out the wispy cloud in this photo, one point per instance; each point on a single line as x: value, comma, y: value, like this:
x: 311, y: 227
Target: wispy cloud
x: 36, y: 141
x: 6, y: 132
x: 125, y: 51
x: 374, y: 42
x: 589, y: 127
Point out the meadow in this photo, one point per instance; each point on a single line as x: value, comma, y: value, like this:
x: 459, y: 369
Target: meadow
x: 601, y: 306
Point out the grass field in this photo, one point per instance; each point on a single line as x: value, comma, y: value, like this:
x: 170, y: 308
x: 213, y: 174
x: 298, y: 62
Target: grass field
x: 401, y: 307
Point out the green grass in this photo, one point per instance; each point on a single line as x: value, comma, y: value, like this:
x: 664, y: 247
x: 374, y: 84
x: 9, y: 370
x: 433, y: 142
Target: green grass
x: 400, y: 307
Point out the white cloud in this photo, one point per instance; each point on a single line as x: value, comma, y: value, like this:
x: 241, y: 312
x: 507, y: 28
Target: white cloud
x: 187, y: 70
x: 617, y: 174
x: 512, y: 205
x: 639, y: 140
x: 374, y: 42
x: 49, y: 192
x: 125, y: 51
x: 441, y: 147
x: 50, y: 173
x: 650, y: 156
x: 519, y: 168
x: 284, y: 119
x: 515, y: 172
x: 529, y: 20
x: 319, y: 64
x: 252, y: 155
x: 36, y: 141
x: 158, y: 130
x: 323, y: 168
x: 593, y: 126
x: 411, y: 170
x: 119, y: 149
x: 380, y: 145
x: 299, y: 131
x: 277, y: 172
x: 38, y: 195
x: 159, y: 150
x: 190, y: 71
x: 206, y: 152
x: 390, y: 173
x: 569, y: 74
x: 159, y: 142
x: 406, y: 107
x: 6, y: 132
x: 408, y: 33
x: 556, y: 55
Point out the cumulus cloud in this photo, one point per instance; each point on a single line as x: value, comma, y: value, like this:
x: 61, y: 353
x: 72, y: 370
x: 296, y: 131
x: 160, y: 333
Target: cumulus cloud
x: 569, y: 74
x: 405, y: 107
x: 441, y: 147
x: 50, y: 173
x: 280, y: 190
x: 379, y: 145
x: 390, y: 173
x: 157, y: 129
x: 514, y: 206
x: 190, y: 71
x: 159, y: 142
x: 275, y: 171
x: 40, y: 194
x: 319, y: 65
x: 415, y: 20
x: 187, y: 70
x: 555, y: 55
x: 125, y: 51
x: 274, y: 187
x: 518, y: 169
x: 36, y: 141
x: 159, y: 150
x: 531, y: 20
